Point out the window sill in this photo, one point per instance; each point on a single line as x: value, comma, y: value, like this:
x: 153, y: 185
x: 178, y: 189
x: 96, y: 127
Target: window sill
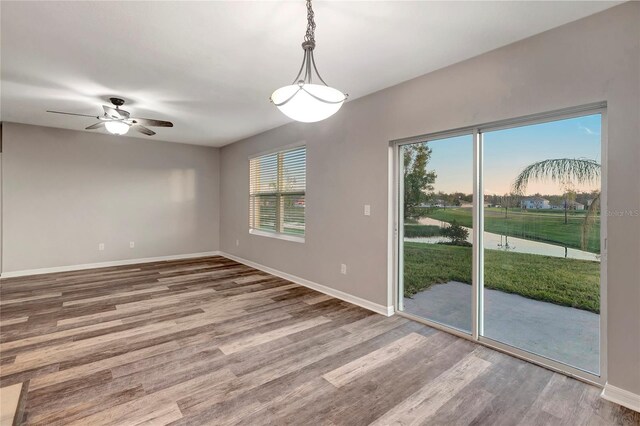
x: 277, y: 235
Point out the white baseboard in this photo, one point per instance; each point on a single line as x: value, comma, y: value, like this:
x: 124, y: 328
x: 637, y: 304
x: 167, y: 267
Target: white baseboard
x: 621, y: 397
x: 379, y: 309
x: 68, y: 268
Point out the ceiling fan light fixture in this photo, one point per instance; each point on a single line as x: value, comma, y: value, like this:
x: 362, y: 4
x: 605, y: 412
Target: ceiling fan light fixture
x: 118, y: 121
x: 304, y: 100
x: 116, y: 127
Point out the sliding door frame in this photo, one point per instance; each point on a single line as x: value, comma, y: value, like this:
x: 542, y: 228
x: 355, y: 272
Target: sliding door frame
x: 477, y: 274
x: 396, y: 224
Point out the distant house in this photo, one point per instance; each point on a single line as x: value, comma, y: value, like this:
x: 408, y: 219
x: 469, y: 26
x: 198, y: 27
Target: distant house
x: 573, y: 205
x: 534, y: 203
x: 434, y: 203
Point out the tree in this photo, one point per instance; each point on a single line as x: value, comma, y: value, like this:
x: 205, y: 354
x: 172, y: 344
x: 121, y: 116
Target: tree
x: 569, y: 200
x: 418, y: 182
x: 508, y: 201
x: 565, y: 171
x: 505, y: 203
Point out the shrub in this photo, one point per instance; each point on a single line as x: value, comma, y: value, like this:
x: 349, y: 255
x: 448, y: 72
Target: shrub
x: 418, y: 231
x: 456, y: 233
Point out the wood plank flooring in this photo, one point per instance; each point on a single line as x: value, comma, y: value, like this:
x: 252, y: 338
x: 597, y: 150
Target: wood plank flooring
x: 211, y: 341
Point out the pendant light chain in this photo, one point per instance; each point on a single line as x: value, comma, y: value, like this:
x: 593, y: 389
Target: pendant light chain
x: 311, y: 24
x: 308, y: 61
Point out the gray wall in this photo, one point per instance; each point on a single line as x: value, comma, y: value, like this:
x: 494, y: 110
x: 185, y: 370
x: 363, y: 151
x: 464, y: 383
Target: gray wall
x: 66, y: 191
x: 591, y: 60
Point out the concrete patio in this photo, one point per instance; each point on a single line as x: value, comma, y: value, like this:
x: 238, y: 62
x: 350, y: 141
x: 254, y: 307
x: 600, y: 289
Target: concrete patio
x: 568, y: 335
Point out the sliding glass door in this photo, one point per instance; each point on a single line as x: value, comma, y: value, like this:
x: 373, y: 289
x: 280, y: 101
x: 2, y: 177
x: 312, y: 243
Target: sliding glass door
x: 542, y: 239
x: 437, y: 181
x: 528, y: 281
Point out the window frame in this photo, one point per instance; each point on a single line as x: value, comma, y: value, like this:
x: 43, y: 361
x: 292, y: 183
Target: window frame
x: 278, y: 193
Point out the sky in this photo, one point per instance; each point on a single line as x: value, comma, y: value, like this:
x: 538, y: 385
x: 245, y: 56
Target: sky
x: 507, y: 152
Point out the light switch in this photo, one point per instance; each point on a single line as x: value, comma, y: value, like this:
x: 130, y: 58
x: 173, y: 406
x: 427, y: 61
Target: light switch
x: 367, y: 210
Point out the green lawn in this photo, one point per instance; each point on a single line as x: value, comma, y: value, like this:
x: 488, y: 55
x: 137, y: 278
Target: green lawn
x: 567, y: 282
x: 547, y: 226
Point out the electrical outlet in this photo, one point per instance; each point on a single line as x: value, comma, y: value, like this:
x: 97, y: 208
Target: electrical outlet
x: 367, y: 210
x: 132, y: 244
x: 237, y: 243
x: 343, y: 269
x: 101, y: 246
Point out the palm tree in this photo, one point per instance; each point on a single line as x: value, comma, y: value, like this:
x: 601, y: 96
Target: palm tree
x: 565, y: 171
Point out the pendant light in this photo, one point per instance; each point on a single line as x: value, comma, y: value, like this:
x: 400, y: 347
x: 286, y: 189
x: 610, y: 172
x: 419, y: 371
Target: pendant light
x: 308, y: 99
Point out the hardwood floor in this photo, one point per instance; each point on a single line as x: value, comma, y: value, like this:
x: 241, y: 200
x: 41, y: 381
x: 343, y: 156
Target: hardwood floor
x: 211, y: 341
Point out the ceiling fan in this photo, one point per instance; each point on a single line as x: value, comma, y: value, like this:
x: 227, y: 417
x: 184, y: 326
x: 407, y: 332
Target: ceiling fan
x: 118, y: 121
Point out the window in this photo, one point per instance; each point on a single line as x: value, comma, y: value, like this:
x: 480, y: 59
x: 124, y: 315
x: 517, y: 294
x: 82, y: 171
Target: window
x: 277, y: 194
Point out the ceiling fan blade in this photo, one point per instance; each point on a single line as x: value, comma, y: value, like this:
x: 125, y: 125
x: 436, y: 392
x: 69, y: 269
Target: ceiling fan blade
x: 152, y: 123
x: 73, y: 113
x: 113, y: 113
x: 143, y: 129
x: 95, y: 126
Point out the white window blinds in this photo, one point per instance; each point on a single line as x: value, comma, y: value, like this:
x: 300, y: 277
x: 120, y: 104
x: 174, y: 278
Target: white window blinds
x: 277, y: 191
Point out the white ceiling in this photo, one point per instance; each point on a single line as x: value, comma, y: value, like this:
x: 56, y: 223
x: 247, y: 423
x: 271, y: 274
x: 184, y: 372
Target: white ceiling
x: 210, y: 67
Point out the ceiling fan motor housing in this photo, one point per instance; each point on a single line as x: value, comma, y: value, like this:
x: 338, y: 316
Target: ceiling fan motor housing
x: 117, y: 101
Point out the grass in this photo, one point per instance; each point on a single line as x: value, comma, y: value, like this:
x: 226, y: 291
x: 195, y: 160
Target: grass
x: 566, y: 282
x: 547, y: 225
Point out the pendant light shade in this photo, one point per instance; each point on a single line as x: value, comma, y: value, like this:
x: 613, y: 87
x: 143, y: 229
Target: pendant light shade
x: 308, y: 99
x: 306, y: 103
